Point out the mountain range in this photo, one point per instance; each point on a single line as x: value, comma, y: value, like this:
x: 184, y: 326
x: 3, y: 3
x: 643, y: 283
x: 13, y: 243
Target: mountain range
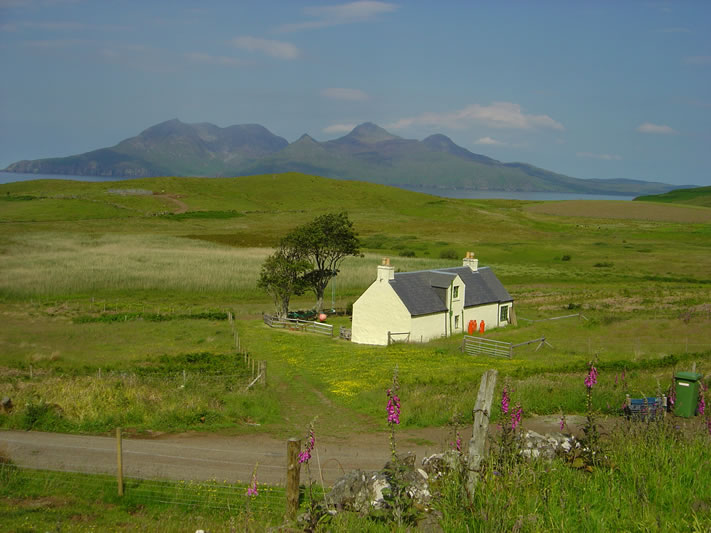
x: 367, y: 153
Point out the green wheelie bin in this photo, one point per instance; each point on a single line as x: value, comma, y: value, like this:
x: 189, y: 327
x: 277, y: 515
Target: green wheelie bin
x: 687, y: 393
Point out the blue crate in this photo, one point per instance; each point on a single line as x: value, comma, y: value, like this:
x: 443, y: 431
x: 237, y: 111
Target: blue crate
x: 644, y: 408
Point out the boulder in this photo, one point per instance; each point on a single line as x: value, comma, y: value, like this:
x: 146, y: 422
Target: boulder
x: 6, y: 405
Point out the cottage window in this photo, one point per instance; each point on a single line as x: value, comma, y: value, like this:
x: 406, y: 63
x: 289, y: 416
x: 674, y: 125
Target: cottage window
x: 504, y: 314
x: 455, y: 292
x: 456, y: 321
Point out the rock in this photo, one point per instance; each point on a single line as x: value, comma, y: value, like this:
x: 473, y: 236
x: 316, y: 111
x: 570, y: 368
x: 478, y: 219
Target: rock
x: 363, y: 492
x: 6, y: 405
x: 440, y: 463
x: 351, y: 492
x: 546, y: 446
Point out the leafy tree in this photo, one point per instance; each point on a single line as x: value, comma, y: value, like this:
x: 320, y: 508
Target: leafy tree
x: 282, y: 276
x: 325, y: 242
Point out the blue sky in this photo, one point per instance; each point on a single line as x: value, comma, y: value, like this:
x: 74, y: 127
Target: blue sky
x: 595, y: 89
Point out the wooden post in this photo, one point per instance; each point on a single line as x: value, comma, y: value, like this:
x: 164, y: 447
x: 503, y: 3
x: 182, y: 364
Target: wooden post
x: 477, y: 444
x: 293, y: 479
x: 183, y: 378
x: 119, y: 461
x: 263, y: 372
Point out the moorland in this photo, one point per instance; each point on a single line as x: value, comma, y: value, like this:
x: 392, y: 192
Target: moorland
x: 100, y: 281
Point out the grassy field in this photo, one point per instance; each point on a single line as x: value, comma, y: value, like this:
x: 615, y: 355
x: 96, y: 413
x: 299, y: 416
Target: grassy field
x: 699, y: 196
x: 74, y: 256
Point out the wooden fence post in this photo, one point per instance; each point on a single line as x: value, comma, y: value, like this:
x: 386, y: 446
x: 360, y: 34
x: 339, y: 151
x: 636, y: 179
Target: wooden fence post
x: 477, y: 444
x: 293, y: 476
x: 263, y: 372
x: 119, y: 461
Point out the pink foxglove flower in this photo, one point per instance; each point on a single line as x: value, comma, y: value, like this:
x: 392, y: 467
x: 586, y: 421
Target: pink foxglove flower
x: 252, y: 489
x: 305, y: 455
x: 516, y: 417
x: 701, y: 407
x: 504, y: 401
x: 393, y: 408
x: 591, y: 378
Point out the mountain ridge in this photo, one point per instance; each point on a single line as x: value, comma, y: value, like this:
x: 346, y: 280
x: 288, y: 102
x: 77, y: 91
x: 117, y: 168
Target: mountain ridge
x: 368, y: 153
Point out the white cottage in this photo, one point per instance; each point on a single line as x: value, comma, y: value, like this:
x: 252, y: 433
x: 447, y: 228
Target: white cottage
x: 428, y: 304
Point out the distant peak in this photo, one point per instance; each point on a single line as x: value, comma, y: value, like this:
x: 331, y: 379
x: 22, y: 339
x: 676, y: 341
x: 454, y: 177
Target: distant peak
x: 439, y: 139
x: 306, y: 138
x: 370, y: 133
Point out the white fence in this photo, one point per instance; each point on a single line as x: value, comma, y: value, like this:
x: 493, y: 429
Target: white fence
x: 300, y: 325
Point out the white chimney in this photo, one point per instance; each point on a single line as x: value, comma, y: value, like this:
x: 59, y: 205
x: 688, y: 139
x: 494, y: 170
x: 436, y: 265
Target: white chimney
x: 471, y: 262
x: 385, y: 271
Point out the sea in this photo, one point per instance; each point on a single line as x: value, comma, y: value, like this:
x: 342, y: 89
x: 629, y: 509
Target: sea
x: 9, y: 177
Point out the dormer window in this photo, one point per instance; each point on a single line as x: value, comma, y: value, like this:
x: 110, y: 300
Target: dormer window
x: 455, y: 292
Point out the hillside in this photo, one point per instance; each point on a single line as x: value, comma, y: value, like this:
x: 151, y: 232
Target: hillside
x: 698, y: 196
x: 367, y: 153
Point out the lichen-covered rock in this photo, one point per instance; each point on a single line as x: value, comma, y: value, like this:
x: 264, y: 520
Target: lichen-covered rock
x: 438, y: 464
x: 547, y: 446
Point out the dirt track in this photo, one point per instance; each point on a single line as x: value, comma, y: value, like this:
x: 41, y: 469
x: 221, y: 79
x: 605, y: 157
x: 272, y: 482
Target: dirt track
x: 225, y: 458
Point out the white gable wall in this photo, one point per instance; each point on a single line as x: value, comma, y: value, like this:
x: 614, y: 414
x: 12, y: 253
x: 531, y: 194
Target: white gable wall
x: 426, y: 327
x: 377, y: 311
x: 490, y: 314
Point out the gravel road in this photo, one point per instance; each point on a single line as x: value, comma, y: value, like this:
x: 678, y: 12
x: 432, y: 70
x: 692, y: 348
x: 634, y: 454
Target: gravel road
x: 200, y: 456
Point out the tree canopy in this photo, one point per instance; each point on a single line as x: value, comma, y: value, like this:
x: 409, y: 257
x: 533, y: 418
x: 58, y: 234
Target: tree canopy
x: 282, y: 276
x: 309, y: 257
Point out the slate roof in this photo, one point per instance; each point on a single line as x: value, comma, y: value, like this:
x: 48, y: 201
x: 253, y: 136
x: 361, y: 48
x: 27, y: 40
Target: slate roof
x: 423, y: 292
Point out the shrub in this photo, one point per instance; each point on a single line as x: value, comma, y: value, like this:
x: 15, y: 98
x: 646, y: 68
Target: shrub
x: 407, y: 253
x: 449, y: 253
x: 566, y: 257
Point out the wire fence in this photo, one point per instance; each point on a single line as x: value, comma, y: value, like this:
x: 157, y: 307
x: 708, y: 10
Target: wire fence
x: 209, y: 494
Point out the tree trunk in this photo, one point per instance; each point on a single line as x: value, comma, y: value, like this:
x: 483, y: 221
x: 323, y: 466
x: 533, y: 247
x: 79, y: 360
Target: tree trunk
x: 283, y: 308
x: 319, y: 301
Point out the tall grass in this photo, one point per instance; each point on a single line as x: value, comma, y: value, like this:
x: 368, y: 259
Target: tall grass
x: 41, y: 264
x: 659, y: 480
x: 48, y: 265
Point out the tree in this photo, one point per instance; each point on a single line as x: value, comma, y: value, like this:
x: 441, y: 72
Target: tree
x: 282, y: 276
x: 325, y: 241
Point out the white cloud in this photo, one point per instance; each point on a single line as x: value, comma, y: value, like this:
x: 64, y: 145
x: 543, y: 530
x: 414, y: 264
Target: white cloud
x: 339, y: 128
x: 496, y: 115
x: 140, y: 57
x: 604, y: 157
x: 662, y: 129
x: 278, y: 49
x: 489, y: 141
x: 55, y: 43
x: 353, y: 95
x: 325, y: 16
x: 698, y: 60
x: 207, y: 59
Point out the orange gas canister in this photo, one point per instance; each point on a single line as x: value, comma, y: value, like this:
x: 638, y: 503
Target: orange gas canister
x: 472, y: 327
x: 481, y: 328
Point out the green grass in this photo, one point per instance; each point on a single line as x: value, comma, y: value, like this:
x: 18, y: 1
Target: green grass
x: 700, y: 196
x: 86, y: 271
x: 660, y: 481
x: 72, y: 279
x: 34, y: 500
